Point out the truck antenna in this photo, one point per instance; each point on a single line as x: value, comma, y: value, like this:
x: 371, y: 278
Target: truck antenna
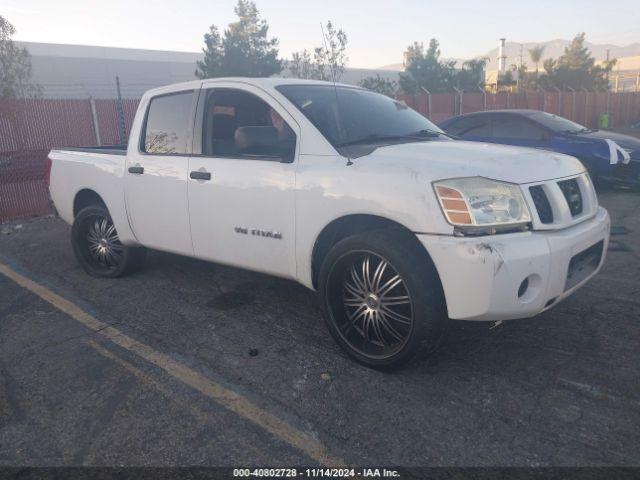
x: 333, y: 79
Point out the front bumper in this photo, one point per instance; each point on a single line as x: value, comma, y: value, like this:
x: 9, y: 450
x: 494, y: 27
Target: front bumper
x: 482, y: 277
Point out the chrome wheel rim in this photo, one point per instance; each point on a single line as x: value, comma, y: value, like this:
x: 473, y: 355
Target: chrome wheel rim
x: 103, y: 244
x: 375, y: 315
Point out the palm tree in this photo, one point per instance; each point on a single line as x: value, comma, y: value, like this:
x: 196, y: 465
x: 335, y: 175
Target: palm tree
x: 536, y: 55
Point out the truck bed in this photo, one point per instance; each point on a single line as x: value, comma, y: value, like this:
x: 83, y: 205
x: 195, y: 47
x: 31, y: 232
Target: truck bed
x: 100, y: 169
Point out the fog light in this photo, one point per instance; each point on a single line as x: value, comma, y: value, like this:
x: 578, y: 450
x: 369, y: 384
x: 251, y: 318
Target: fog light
x: 523, y: 287
x: 530, y: 288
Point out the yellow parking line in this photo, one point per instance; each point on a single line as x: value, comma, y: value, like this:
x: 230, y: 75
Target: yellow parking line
x: 228, y: 398
x: 201, y: 415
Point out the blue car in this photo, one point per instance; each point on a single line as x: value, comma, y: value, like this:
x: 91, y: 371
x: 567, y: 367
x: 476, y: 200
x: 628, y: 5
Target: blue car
x: 533, y: 128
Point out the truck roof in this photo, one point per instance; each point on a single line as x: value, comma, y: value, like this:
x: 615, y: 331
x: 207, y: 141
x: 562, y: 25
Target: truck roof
x: 264, y: 82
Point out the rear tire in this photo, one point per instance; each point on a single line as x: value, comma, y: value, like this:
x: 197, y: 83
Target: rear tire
x: 381, y: 298
x: 97, y: 246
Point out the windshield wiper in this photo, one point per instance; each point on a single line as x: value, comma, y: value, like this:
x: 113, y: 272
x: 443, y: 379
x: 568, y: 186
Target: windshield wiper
x: 582, y: 130
x: 375, y: 137
x: 435, y: 133
x: 427, y: 133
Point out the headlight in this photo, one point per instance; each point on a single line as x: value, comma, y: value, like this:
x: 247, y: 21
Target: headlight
x: 475, y: 202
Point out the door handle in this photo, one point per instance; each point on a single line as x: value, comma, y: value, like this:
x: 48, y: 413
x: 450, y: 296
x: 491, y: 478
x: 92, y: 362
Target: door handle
x: 137, y: 170
x: 198, y: 175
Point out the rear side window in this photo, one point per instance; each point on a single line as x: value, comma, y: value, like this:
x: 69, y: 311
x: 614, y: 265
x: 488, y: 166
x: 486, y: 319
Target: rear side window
x: 168, y: 120
x: 472, y: 126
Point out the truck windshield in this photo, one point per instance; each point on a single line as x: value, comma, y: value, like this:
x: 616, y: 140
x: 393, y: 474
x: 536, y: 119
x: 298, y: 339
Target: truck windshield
x: 348, y: 116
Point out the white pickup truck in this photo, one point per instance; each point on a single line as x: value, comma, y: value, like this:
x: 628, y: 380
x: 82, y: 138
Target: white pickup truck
x: 353, y: 194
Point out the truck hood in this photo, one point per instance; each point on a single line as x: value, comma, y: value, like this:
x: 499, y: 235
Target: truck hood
x: 449, y: 159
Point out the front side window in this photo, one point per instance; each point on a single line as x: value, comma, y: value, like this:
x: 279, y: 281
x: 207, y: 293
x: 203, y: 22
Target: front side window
x: 167, y: 123
x: 345, y: 115
x: 510, y: 126
x: 239, y: 124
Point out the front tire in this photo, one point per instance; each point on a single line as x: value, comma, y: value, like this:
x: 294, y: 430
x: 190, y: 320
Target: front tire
x: 98, y: 248
x: 381, y: 298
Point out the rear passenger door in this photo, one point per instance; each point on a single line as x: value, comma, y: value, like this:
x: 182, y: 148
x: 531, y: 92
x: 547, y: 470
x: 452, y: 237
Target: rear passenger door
x: 157, y: 172
x: 242, y: 179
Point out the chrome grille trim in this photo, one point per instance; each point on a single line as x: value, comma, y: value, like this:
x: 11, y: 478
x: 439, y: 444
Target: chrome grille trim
x: 562, y: 216
x: 541, y: 202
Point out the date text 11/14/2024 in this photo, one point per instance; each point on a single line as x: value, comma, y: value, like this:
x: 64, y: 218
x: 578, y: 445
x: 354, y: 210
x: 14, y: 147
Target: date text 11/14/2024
x: 316, y: 473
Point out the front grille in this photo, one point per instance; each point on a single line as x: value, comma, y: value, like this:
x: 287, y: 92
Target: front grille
x: 542, y: 204
x: 571, y: 192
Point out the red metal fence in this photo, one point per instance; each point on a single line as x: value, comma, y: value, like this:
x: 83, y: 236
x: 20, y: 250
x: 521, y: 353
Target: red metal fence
x: 581, y: 107
x: 30, y: 128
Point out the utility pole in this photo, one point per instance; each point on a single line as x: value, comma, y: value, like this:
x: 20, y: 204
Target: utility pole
x: 521, y: 46
x: 122, y: 129
x: 520, y: 71
x: 94, y: 119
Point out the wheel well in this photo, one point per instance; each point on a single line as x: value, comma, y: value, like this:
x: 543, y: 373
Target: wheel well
x: 344, y: 227
x: 84, y: 198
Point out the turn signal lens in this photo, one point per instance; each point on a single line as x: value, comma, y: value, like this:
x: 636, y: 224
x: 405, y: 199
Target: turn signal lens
x: 454, y: 206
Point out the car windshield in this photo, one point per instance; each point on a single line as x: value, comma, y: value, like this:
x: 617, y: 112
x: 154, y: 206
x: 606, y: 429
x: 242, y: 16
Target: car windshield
x: 556, y: 123
x: 348, y: 116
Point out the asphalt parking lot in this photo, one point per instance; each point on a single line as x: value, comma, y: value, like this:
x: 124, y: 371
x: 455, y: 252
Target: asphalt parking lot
x: 189, y: 363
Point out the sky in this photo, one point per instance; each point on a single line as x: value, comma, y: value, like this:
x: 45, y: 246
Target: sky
x: 378, y: 31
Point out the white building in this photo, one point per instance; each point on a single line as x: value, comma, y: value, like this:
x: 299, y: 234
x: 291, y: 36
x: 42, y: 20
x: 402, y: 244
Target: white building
x: 80, y: 71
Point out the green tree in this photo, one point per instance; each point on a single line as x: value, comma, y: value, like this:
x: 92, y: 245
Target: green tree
x: 15, y: 66
x: 576, y: 69
x: 507, y: 79
x: 424, y: 69
x: 549, y: 66
x: 301, y: 65
x: 472, y: 74
x: 523, y: 80
x: 244, y: 50
x: 327, y: 62
x: 535, y: 54
x: 212, y: 63
x: 381, y: 85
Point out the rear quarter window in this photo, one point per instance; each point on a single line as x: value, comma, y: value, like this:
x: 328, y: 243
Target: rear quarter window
x: 167, y: 123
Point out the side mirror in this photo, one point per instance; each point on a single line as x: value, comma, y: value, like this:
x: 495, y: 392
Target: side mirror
x: 259, y: 141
